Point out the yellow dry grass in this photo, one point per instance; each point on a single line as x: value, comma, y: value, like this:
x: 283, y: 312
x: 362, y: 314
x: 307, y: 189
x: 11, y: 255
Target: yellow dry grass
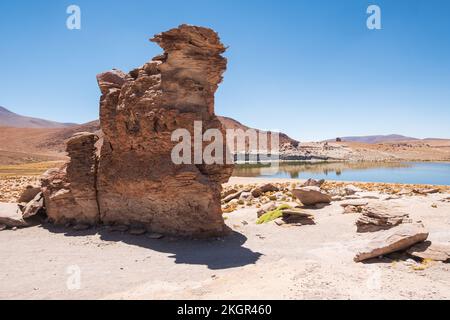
x: 28, y: 169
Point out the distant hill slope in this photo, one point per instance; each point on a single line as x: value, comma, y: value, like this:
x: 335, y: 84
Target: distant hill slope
x: 377, y: 139
x: 51, y: 141
x: 23, y: 145
x: 230, y: 123
x: 14, y: 120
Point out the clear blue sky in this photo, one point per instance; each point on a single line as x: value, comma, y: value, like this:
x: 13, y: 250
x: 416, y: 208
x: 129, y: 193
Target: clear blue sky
x: 309, y: 68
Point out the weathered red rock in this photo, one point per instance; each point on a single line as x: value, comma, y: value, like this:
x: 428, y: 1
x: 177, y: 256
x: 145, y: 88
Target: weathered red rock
x: 137, y: 182
x: 70, y: 192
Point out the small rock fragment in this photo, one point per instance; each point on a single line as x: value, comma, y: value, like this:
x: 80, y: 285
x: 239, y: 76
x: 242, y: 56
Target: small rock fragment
x: 269, y: 188
x: 354, y: 203
x: 351, y: 190
x: 313, y: 183
x: 119, y: 228
x: 431, y: 250
x: 137, y: 231
x: 81, y: 227
x: 311, y: 195
x: 155, y: 236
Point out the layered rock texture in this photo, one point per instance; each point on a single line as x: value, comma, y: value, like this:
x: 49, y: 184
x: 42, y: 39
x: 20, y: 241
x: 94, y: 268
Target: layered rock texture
x: 136, y: 182
x: 70, y: 193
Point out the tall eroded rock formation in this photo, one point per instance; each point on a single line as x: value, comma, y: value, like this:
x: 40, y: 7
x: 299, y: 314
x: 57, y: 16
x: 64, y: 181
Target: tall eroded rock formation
x: 137, y: 183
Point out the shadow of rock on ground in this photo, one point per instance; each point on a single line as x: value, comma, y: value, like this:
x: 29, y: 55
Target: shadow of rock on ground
x: 223, y: 253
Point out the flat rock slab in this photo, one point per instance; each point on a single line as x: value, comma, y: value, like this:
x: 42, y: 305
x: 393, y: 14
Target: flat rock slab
x: 310, y: 196
x: 11, y: 215
x: 426, y: 191
x: 232, y: 196
x: 431, y: 250
x: 354, y: 203
x: 378, y: 216
x: 297, y: 213
x: 393, y: 240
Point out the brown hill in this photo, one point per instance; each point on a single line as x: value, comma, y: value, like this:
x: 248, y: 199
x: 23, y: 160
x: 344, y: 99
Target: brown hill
x: 45, y: 142
x: 230, y: 123
x: 22, y: 145
x: 376, y: 139
x: 14, y: 120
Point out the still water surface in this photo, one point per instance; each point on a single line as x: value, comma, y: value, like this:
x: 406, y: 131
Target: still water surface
x: 401, y: 172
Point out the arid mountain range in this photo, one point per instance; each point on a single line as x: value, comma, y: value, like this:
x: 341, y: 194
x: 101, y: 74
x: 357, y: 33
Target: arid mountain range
x: 25, y: 139
x: 11, y: 119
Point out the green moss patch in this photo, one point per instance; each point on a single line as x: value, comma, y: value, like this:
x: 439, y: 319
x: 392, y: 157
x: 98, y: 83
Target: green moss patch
x: 273, y: 215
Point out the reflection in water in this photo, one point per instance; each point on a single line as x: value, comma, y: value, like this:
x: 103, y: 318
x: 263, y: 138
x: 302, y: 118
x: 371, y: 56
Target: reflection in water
x: 294, y: 169
x: 391, y: 172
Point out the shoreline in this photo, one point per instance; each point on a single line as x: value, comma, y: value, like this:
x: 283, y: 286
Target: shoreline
x: 385, y: 186
x: 261, y: 180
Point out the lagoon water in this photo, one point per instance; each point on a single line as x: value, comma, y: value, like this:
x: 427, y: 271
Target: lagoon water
x: 389, y: 172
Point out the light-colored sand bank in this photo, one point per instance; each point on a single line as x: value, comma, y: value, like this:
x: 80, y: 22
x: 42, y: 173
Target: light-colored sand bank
x: 255, y: 262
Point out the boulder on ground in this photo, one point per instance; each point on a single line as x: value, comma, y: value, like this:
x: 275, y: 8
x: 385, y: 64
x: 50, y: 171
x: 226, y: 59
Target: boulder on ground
x: 232, y: 196
x: 351, y: 190
x: 269, y: 188
x: 34, y: 206
x: 256, y: 192
x: 11, y: 215
x: 228, y: 192
x: 376, y: 217
x: 245, y: 196
x: 431, y: 250
x: 28, y: 194
x: 310, y: 196
x: 297, y: 216
x: 393, y: 240
x: 313, y: 183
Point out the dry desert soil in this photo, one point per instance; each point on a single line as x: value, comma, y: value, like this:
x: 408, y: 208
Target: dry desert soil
x: 255, y: 262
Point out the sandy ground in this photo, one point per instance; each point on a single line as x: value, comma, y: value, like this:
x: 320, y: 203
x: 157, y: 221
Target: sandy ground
x: 255, y: 262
